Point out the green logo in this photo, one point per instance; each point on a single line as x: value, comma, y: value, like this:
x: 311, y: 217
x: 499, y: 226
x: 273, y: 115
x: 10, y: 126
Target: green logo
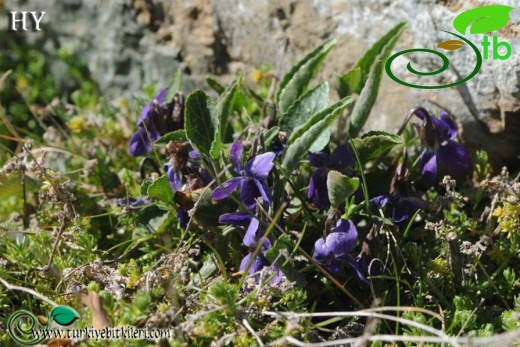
x: 482, y: 20
x: 26, y: 329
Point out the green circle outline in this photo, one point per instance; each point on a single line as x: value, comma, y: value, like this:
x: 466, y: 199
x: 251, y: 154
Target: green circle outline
x: 443, y: 68
x: 14, y: 322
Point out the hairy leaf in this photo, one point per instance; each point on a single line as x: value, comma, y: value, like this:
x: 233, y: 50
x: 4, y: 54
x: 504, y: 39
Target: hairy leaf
x: 224, y: 106
x: 215, y: 85
x: 381, y: 50
x: 310, y: 103
x: 295, y: 82
x: 202, y: 124
x: 177, y: 135
x: 160, y: 189
x: 366, y: 100
x: 340, y: 187
x: 375, y: 143
x: 303, y: 139
x: 349, y: 82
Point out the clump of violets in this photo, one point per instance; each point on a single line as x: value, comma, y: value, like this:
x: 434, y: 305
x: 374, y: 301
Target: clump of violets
x: 253, y: 236
x: 339, y: 160
x: 333, y: 251
x: 401, y: 198
x: 185, y: 175
x: 157, y: 118
x: 252, y: 179
x: 442, y: 152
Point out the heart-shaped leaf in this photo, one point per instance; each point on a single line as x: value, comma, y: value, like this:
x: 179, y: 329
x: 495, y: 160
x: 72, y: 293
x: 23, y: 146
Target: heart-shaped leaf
x: 451, y: 45
x: 64, y: 315
x: 176, y: 135
x: 375, y: 143
x: 485, y: 19
x: 340, y: 187
x: 160, y: 189
x: 202, y: 124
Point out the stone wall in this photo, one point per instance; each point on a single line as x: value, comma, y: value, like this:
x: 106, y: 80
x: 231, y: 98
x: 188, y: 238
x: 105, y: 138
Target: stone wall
x: 129, y: 43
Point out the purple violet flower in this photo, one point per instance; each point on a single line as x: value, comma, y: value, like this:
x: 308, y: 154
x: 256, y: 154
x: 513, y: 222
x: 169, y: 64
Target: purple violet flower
x: 252, y: 179
x: 193, y: 177
x: 157, y: 118
x: 441, y: 151
x: 401, y: 198
x: 339, y: 160
x: 252, y: 237
x: 333, y: 252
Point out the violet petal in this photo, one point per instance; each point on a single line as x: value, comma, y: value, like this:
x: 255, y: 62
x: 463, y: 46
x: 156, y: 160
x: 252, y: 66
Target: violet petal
x: 226, y: 188
x: 253, y: 234
x: 343, y: 238
x: 241, y: 218
x: 249, y: 192
x: 454, y: 157
x: 236, y: 152
x: 319, y: 159
x: 318, y: 192
x: 260, y: 166
x: 429, y: 166
x: 341, y: 158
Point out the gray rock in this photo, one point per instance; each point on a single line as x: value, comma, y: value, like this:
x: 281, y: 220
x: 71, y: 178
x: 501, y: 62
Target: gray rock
x: 130, y: 43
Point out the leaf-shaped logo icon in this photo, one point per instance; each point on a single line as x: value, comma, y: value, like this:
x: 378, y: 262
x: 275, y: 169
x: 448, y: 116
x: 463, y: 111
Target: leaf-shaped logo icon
x: 485, y: 19
x: 451, y: 45
x: 64, y: 315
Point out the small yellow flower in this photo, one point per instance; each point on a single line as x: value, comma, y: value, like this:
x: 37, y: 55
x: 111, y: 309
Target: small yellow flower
x: 498, y: 212
x: 257, y: 76
x: 77, y: 124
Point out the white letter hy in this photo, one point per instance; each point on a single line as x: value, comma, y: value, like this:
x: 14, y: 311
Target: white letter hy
x: 14, y: 20
x: 37, y: 20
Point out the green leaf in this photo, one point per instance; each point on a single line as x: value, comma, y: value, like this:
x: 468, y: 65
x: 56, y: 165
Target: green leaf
x: 366, y: 100
x: 340, y: 187
x: 175, y: 86
x: 224, y: 108
x: 312, y: 102
x: 271, y: 134
x: 322, y: 140
x: 177, y: 135
x: 302, y: 140
x: 64, y: 315
x: 202, y: 125
x: 375, y: 143
x: 295, y: 82
x: 381, y: 50
x: 485, y: 19
x: 160, y: 189
x: 215, y: 85
x: 282, y: 247
x: 144, y: 188
x: 348, y: 82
